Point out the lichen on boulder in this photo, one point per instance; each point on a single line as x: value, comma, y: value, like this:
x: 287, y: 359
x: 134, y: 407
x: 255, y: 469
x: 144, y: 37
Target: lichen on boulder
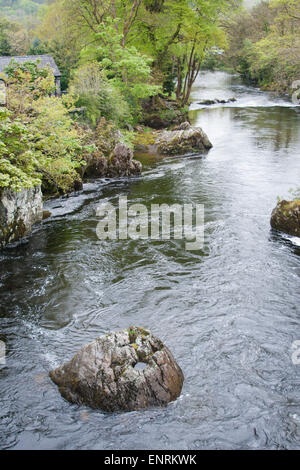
x: 181, y: 140
x: 286, y: 217
x: 105, y: 374
x: 19, y: 211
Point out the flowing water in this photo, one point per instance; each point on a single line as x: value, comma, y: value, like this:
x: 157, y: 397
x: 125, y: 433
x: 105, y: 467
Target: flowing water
x: 229, y: 313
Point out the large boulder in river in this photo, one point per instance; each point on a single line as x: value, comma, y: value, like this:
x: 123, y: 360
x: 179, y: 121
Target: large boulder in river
x: 19, y: 211
x: 182, y: 140
x: 286, y: 217
x: 122, y: 371
x: 96, y: 165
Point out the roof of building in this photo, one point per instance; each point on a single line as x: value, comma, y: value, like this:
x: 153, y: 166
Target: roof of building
x: 44, y: 61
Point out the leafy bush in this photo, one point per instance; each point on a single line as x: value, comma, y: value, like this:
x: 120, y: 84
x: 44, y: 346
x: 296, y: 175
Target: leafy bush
x: 27, y: 83
x: 57, y: 142
x: 18, y: 161
x: 98, y: 95
x: 39, y: 143
x: 128, y: 70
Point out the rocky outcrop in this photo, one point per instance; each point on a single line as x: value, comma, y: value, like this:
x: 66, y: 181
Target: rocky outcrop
x: 19, y: 211
x: 119, y: 164
x: 96, y: 166
x: 286, y: 217
x: 160, y: 112
x: 123, y: 371
x: 182, y: 140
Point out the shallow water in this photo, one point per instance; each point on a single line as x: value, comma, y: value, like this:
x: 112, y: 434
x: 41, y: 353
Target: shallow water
x: 229, y: 313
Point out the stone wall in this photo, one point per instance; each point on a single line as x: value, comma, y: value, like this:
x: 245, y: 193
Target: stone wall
x: 19, y: 211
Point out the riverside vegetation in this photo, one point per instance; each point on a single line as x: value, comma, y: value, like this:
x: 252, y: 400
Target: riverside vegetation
x: 126, y: 67
x: 119, y: 61
x: 264, y: 44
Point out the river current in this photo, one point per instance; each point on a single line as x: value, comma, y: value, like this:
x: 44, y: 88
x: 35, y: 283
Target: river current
x: 229, y: 313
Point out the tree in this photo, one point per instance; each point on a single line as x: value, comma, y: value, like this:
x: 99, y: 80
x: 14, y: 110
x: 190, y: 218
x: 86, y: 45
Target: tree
x: 265, y: 43
x: 127, y: 69
x: 56, y: 36
x: 99, y: 96
x: 181, y: 32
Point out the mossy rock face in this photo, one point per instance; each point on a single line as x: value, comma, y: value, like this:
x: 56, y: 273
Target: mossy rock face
x: 105, y: 374
x: 120, y: 163
x: 96, y: 166
x: 160, y: 112
x: 182, y: 140
x: 286, y: 217
x: 144, y: 141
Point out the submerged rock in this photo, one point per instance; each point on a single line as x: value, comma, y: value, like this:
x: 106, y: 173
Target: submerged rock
x: 182, y: 140
x: 19, y: 211
x: 121, y: 371
x: 286, y: 217
x: 216, y: 101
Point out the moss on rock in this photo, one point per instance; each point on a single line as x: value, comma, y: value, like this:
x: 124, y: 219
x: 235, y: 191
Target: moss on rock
x: 286, y: 217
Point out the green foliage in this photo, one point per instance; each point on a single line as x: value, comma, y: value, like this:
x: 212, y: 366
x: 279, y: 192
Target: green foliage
x: 38, y: 141
x: 20, y: 9
x: 5, y: 46
x: 142, y: 46
x: 29, y: 72
x: 99, y: 96
x: 102, y: 139
x: 127, y: 69
x: 17, y: 159
x: 27, y: 83
x: 265, y: 44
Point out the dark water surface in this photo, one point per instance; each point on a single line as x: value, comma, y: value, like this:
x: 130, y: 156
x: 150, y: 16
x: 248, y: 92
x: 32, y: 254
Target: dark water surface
x: 229, y: 313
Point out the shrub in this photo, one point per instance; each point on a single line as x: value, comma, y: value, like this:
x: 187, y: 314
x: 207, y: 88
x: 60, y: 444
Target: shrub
x: 98, y: 95
x: 18, y: 161
x: 39, y: 143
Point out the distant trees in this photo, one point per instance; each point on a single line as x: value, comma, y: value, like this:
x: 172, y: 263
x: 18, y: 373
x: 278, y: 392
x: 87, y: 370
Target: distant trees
x: 20, y: 9
x: 265, y: 43
x: 148, y: 42
x: 5, y: 45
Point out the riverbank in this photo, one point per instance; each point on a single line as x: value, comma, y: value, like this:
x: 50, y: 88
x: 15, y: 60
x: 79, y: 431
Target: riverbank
x: 61, y: 164
x: 229, y: 312
x: 264, y: 45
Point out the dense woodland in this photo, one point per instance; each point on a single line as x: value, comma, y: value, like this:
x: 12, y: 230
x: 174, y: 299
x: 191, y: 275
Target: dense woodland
x: 115, y: 55
x: 264, y: 44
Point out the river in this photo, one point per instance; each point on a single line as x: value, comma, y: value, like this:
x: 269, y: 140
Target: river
x: 229, y: 313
